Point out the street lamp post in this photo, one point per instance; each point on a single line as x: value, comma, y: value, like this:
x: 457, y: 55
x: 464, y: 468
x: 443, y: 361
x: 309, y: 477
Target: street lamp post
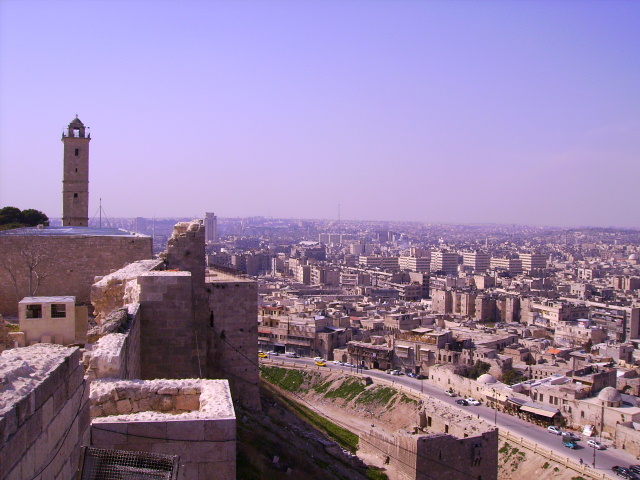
x: 495, y: 406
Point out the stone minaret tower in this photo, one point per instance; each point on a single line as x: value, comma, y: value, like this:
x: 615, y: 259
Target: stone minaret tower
x: 75, y: 179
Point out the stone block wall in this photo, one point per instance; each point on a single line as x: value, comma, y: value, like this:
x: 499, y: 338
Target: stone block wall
x: 191, y: 418
x: 422, y: 457
x: 130, y: 363
x: 119, y: 288
x: 44, y: 412
x: 170, y: 348
x: 186, y: 252
x: 69, y: 264
x: 233, y: 335
x: 446, y: 456
x: 117, y: 355
x: 628, y: 438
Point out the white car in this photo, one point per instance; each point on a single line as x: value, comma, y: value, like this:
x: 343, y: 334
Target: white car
x: 553, y: 429
x: 318, y: 359
x: 450, y: 393
x: 596, y: 445
x: 472, y: 401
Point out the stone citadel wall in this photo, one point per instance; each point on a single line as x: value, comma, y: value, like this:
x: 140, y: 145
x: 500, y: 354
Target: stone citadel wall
x: 44, y: 412
x: 67, y: 264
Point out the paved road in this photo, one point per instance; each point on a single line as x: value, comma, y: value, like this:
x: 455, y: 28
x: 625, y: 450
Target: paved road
x: 604, y: 459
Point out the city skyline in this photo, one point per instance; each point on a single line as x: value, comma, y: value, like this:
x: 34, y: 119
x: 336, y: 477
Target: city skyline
x: 439, y: 112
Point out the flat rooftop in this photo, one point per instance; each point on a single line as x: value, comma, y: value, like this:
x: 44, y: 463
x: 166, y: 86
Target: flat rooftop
x: 70, y: 231
x: 48, y: 300
x: 215, y: 276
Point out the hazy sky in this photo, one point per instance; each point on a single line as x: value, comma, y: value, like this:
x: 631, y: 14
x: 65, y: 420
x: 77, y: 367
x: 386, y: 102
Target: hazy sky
x: 521, y: 112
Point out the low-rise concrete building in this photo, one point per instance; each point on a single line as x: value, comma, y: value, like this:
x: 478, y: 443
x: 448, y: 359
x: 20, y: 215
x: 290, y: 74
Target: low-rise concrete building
x: 52, y: 320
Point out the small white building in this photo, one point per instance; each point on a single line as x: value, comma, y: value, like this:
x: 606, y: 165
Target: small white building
x: 52, y: 320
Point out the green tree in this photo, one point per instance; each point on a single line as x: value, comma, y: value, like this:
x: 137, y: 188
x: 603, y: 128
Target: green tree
x: 32, y: 217
x: 474, y: 371
x: 12, y: 217
x: 511, y: 377
x: 479, y: 368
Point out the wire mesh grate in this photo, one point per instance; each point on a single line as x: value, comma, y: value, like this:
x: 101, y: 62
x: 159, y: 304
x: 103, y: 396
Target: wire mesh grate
x: 101, y: 464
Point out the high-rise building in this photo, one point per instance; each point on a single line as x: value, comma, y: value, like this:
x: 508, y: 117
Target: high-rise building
x: 511, y: 265
x: 478, y: 261
x: 446, y: 262
x: 210, y: 227
x: 75, y: 177
x: 532, y: 261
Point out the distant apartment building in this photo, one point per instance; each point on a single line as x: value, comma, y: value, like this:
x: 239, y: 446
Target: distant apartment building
x: 301, y: 334
x: 551, y: 313
x: 478, y: 261
x: 210, y: 227
x: 484, y: 281
x: 361, y: 247
x: 384, y: 263
x: 577, y: 333
x: 442, y: 261
x: 442, y: 301
x: 323, y: 275
x: 414, y: 264
x: 511, y: 265
x: 330, y: 238
x: 308, y: 249
x: 533, y: 262
x: 621, y: 322
x: 220, y: 259
x: 419, y: 252
x: 588, y: 273
x: 620, y: 282
x: 352, y: 280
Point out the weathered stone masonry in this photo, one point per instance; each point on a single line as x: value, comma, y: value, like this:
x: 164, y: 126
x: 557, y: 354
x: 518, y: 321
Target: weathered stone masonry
x: 44, y: 412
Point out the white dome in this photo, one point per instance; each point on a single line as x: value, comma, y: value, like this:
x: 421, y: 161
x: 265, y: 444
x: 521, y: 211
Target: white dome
x: 610, y: 394
x: 486, y: 378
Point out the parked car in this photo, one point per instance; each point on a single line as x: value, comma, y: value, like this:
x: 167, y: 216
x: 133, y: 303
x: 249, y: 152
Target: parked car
x: 600, y: 446
x: 411, y: 374
x: 450, y: 393
x: 472, y: 401
x: 274, y: 354
x: 462, y: 401
x: 349, y: 364
x: 421, y: 377
x: 635, y: 469
x: 318, y: 359
x: 338, y: 362
x: 555, y: 430
x: 291, y: 355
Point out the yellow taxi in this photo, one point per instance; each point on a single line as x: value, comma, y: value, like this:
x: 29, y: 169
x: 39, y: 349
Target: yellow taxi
x: 262, y: 355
